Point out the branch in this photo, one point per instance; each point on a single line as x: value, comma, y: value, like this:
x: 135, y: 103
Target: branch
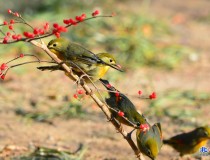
x: 89, y: 92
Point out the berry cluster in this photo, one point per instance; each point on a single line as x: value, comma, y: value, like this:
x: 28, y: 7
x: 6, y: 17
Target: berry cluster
x: 42, y: 31
x: 4, y: 66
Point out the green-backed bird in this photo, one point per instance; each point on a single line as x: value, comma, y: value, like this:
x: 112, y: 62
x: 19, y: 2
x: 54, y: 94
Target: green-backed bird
x: 149, y: 138
x: 150, y: 141
x: 120, y: 102
x: 190, y: 142
x: 95, y: 72
x: 77, y: 56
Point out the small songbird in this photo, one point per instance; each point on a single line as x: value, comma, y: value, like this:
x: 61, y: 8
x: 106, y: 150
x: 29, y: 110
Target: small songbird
x: 77, y: 56
x: 120, y: 102
x: 96, y: 72
x: 149, y: 138
x: 190, y: 142
x: 150, y: 142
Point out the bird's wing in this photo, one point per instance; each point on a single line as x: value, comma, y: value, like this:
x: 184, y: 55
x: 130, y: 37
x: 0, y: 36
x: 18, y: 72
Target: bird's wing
x: 78, y: 53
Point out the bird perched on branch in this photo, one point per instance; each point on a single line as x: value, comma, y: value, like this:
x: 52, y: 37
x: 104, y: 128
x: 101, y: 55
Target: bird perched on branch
x: 190, y: 142
x: 80, y: 59
x: 119, y: 102
x: 149, y: 138
x: 95, y: 71
x: 150, y: 141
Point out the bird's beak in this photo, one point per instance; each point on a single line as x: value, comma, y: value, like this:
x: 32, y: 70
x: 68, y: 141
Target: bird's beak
x: 117, y: 67
x: 49, y: 46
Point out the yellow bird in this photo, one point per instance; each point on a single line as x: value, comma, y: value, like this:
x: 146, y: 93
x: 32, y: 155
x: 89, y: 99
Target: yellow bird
x: 95, y: 71
x: 191, y: 142
x: 81, y: 60
x: 150, y: 141
x: 77, y: 56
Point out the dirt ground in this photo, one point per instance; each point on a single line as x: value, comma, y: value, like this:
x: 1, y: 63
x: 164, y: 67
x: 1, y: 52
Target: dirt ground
x: 99, y: 136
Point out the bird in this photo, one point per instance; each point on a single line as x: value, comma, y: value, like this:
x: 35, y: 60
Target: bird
x: 190, y: 142
x: 78, y: 57
x: 150, y: 141
x: 149, y: 138
x: 119, y: 102
x: 95, y: 71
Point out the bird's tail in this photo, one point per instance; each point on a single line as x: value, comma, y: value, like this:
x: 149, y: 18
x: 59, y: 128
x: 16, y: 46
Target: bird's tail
x: 165, y: 141
x: 50, y: 68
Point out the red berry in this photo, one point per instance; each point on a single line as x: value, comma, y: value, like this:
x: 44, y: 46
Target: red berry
x: 31, y: 35
x: 8, y: 34
x: 62, y: 29
x: 57, y: 34
x: 80, y: 18
x: 21, y: 55
x: 75, y: 96
x: 153, y: 95
x: 77, y: 18
x: 55, y: 25
x: 19, y: 36
x: 41, y: 31
x: 83, y: 16
x: 36, y: 31
x: 46, y: 26
x: 16, y: 14
x: 73, y: 22
x: 9, y: 11
x: 12, y: 21
x: 14, y: 36
x: 144, y: 127
x: 66, y: 21
x: 109, y: 85
x: 139, y: 92
x: 5, y: 40
x: 3, y: 66
x: 25, y: 34
x: 80, y: 91
x: 117, y: 94
x: 28, y: 34
x: 95, y: 13
x: 11, y: 27
x: 3, y: 76
x: 5, y: 22
x: 121, y: 114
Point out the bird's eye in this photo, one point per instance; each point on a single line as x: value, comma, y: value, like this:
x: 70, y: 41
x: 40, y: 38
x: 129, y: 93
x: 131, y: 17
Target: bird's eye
x: 111, y: 60
x: 205, y: 133
x: 54, y: 45
x: 148, y: 152
x: 138, y: 124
